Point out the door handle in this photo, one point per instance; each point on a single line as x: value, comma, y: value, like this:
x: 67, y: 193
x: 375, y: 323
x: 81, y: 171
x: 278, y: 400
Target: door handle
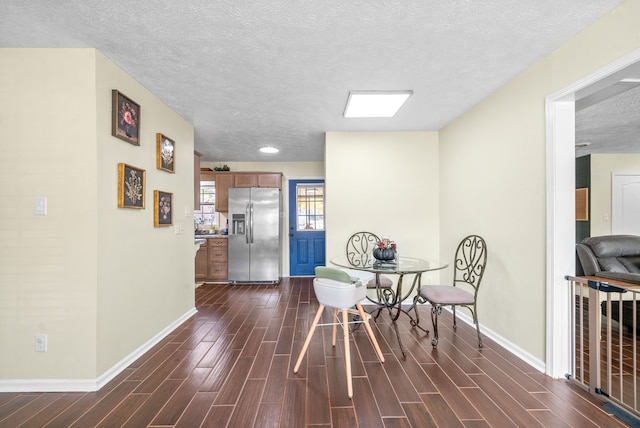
x: 248, y: 220
x: 291, y: 234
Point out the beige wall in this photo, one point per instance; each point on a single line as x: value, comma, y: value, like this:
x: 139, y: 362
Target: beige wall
x: 145, y: 274
x: 492, y: 163
x: 48, y: 281
x: 386, y: 183
x: 98, y: 280
x: 602, y: 166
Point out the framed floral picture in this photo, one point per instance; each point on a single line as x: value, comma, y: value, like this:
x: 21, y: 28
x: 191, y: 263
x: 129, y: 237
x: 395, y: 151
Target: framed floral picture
x: 130, y: 186
x: 162, y: 208
x: 125, y: 114
x: 165, y: 153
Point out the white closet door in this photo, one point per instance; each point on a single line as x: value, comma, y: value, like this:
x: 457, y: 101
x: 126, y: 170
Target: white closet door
x: 625, y: 204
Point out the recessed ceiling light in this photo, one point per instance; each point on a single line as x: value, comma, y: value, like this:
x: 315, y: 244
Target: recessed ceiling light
x: 375, y: 103
x: 269, y: 149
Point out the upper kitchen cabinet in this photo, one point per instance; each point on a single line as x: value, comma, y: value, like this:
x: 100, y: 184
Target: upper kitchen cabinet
x: 224, y: 181
x: 247, y: 179
x: 196, y: 180
x: 258, y: 179
x: 213, y: 188
x: 227, y: 180
x: 270, y: 179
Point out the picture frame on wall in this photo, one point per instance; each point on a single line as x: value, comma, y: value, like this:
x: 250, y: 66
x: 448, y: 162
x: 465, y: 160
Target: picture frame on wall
x: 125, y: 114
x: 582, y: 204
x: 131, y: 190
x: 162, y: 208
x: 165, y: 153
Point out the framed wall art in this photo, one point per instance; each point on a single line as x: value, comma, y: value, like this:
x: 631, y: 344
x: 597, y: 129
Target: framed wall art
x: 162, y: 208
x: 582, y: 204
x: 125, y: 114
x: 130, y: 186
x: 165, y: 153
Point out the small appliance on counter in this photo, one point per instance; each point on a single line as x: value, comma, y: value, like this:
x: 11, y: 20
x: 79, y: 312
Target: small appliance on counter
x: 254, y: 235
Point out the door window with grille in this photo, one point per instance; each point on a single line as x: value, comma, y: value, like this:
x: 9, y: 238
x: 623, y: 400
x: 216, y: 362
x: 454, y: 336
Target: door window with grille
x: 310, y: 206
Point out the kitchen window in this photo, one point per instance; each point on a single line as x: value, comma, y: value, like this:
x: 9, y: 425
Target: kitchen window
x: 310, y: 206
x: 206, y: 215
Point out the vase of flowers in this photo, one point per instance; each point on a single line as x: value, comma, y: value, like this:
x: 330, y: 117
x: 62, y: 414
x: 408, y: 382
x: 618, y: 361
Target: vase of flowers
x: 385, y: 250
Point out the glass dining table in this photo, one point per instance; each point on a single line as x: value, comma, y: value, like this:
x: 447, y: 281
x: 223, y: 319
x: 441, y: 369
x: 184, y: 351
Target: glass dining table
x: 401, y: 266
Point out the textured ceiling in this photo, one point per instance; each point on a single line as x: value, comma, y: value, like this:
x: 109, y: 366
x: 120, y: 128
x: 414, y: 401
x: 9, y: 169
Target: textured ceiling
x: 270, y: 72
x: 612, y: 125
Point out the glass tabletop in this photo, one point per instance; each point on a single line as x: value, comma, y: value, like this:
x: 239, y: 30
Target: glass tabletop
x: 403, y: 265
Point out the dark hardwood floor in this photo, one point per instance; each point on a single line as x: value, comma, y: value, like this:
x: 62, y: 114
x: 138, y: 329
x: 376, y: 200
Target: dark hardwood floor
x: 231, y: 365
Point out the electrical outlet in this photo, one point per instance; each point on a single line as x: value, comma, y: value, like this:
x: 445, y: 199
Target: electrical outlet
x: 41, y: 343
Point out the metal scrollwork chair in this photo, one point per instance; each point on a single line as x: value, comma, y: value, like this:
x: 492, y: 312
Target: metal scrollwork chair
x: 470, y: 263
x: 359, y: 252
x: 334, y: 289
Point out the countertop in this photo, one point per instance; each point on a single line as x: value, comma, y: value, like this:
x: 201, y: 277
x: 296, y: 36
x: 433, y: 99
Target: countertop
x: 209, y: 235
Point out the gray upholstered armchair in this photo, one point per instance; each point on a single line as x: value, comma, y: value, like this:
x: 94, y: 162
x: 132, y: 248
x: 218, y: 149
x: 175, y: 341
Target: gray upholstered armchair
x: 613, y: 257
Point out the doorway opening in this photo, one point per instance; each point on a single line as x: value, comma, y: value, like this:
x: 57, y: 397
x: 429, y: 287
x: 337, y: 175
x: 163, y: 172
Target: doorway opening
x: 560, y: 236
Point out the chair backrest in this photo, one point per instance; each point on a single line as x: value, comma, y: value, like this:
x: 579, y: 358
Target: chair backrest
x: 360, y: 246
x: 334, y: 288
x: 471, y: 259
x: 332, y: 273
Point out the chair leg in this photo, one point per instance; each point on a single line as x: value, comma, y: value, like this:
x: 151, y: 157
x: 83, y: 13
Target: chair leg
x: 347, y: 352
x: 335, y: 325
x: 416, y: 322
x: 475, y: 320
x: 455, y: 325
x: 314, y: 324
x: 373, y: 339
x: 435, y: 311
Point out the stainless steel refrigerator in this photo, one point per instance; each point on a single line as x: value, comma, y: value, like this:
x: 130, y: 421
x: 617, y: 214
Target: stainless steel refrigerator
x: 254, y: 235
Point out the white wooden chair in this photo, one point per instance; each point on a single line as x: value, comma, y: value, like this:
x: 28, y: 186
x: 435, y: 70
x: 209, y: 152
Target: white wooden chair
x: 334, y: 289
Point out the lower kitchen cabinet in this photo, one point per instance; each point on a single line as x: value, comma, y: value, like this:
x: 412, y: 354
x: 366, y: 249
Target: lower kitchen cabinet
x: 211, y: 261
x: 202, y: 262
x: 217, y: 269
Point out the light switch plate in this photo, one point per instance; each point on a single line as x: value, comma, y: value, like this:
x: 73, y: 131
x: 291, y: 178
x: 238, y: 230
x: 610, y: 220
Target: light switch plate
x: 40, y: 205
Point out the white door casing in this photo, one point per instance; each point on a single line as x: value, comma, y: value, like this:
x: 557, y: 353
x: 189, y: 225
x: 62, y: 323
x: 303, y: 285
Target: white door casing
x: 560, y: 246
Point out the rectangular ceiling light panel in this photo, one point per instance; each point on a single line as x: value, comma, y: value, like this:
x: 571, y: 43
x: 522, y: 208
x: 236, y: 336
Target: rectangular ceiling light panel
x: 375, y: 103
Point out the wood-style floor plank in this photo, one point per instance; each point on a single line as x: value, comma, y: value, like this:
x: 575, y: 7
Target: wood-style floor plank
x: 231, y: 365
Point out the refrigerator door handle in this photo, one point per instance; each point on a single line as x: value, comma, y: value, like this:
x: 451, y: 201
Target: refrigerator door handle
x: 251, y: 221
x: 247, y: 216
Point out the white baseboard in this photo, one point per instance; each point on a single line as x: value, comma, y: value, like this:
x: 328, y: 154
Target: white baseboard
x: 525, y: 356
x: 87, y: 385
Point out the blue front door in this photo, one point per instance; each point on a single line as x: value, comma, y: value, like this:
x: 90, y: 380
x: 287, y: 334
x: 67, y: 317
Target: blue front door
x: 306, y: 226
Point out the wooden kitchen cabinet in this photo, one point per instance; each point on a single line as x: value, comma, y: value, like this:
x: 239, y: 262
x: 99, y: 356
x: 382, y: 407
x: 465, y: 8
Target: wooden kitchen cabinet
x: 228, y: 180
x: 258, y: 179
x: 224, y: 181
x: 217, y: 259
x: 202, y: 263
x: 270, y: 179
x: 196, y: 180
x: 245, y: 179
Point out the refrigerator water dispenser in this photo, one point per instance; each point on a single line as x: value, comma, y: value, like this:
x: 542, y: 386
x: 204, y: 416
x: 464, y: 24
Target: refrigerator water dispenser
x: 237, y: 224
